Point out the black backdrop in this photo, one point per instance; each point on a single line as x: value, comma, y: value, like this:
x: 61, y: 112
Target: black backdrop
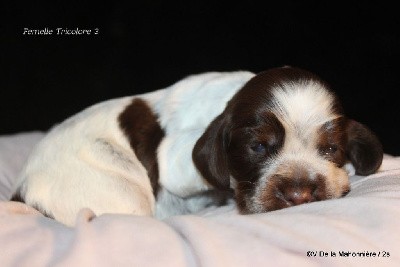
x: 143, y: 47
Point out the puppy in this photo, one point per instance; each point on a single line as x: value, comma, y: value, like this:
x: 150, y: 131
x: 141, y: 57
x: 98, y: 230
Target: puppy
x: 276, y: 139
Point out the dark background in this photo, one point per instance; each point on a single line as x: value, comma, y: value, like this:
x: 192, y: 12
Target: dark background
x: 147, y: 46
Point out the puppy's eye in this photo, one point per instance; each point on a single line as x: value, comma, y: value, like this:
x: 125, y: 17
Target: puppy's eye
x: 259, y: 148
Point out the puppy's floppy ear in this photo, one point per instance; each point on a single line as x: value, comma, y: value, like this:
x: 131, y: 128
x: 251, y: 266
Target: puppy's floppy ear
x: 363, y: 148
x: 209, y: 154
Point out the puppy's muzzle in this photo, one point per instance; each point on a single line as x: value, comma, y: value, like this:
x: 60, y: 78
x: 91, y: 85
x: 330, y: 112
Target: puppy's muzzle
x: 296, y: 190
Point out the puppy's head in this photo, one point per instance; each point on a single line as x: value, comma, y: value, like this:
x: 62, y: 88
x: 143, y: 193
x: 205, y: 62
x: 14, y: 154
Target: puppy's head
x: 283, y: 140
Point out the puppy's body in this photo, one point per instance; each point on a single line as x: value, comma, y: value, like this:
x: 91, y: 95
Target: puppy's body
x: 87, y: 161
x: 267, y: 137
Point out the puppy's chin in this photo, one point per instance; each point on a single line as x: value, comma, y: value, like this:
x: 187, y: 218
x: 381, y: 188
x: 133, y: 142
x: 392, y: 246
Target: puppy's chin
x: 283, y: 192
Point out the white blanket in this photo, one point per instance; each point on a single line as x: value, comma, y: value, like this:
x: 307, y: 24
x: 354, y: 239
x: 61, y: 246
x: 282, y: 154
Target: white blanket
x: 362, y: 229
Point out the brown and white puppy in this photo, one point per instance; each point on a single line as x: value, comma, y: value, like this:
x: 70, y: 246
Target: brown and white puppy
x: 277, y: 139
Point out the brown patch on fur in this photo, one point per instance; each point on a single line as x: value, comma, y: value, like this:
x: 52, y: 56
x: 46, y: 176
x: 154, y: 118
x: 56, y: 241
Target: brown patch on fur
x: 245, y: 160
x: 144, y: 133
x: 243, y: 192
x: 363, y: 148
x: 331, y: 141
x: 209, y: 155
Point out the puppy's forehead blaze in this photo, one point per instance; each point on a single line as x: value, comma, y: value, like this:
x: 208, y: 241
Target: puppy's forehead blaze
x: 305, y: 104
x: 300, y: 101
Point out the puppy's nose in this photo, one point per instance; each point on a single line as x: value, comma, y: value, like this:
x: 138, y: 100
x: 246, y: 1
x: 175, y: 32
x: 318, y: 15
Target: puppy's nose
x: 297, y: 196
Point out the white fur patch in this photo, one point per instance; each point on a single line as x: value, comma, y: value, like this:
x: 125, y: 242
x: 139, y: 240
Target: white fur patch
x: 303, y: 105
